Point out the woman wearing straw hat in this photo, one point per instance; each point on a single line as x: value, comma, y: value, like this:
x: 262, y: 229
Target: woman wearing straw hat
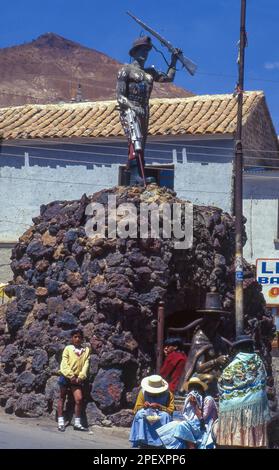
x: 153, y: 408
x: 199, y: 413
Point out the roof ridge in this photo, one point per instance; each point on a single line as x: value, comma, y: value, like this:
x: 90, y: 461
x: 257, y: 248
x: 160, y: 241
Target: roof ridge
x: 84, y: 104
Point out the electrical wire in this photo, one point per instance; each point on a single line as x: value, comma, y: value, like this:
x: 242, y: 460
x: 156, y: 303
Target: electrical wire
x: 199, y: 72
x: 149, y: 149
x: 153, y: 159
x: 13, y: 222
x: 52, y: 181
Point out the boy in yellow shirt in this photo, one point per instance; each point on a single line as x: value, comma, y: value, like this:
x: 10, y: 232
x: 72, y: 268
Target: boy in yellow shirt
x: 74, y: 371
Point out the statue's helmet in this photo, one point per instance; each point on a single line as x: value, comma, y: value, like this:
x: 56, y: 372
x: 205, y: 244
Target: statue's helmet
x: 142, y: 41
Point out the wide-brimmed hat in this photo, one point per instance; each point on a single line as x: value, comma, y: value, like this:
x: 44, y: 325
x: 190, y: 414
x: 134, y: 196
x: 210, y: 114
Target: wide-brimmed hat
x: 213, y: 305
x: 142, y: 41
x: 154, y: 384
x: 242, y: 339
x: 195, y: 380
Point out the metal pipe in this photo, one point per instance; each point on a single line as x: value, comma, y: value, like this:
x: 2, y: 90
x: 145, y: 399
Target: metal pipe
x: 160, y: 336
x: 238, y: 192
x: 185, y: 328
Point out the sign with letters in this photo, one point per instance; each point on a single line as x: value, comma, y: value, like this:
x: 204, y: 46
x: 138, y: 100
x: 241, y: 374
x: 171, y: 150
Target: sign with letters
x: 268, y: 277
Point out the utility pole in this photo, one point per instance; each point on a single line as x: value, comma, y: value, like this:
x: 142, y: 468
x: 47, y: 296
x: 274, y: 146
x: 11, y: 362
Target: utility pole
x: 238, y: 188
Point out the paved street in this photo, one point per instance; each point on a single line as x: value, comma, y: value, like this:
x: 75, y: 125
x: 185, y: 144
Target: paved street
x: 24, y: 433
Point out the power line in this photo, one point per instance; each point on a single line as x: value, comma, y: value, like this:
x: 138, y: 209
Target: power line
x: 64, y: 159
x: 82, y: 81
x: 52, y: 181
x: 153, y: 159
x: 233, y: 77
x: 148, y: 149
x: 13, y: 222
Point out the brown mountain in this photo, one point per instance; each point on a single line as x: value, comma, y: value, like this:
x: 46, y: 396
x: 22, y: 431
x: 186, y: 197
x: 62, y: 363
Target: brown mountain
x: 51, y: 69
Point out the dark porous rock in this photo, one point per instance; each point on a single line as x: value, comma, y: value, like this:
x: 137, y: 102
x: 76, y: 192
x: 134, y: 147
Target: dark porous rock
x: 25, y: 381
x: 71, y: 264
x: 53, y: 230
x: 40, y: 381
x: 26, y: 297
x: 74, y: 306
x: 30, y: 405
x: 144, y: 273
x: 9, y: 354
x: 73, y: 279
x: 111, y: 289
x: 10, y: 406
x: 88, y: 314
x: 137, y: 259
x: 123, y: 418
x: 35, y: 334
x: 111, y: 308
x: 93, y: 367
x: 124, y: 341
x: 42, y: 312
x: 94, y: 416
x: 116, y: 279
x: 88, y: 331
x: 156, y: 263
x: 37, y: 250
x: 131, y: 397
x: 55, y: 305
x: 42, y: 265
x: 15, y: 318
x: 41, y: 292
x: 40, y: 360
x: 52, y: 389
x: 64, y: 290
x: 117, y: 358
x: 22, y: 265
x: 114, y: 259
x: 93, y: 267
x: 131, y: 310
x: 10, y: 290
x: 55, y: 348
x: 52, y: 287
x: 107, y: 390
x: 53, y: 364
x: 20, y: 364
x: 123, y: 293
x: 70, y: 237
x: 67, y: 320
x: 80, y: 293
x: 154, y: 296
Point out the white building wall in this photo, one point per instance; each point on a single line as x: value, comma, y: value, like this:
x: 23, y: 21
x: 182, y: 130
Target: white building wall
x: 23, y: 190
x: 260, y: 207
x: 261, y: 229
x: 204, y: 184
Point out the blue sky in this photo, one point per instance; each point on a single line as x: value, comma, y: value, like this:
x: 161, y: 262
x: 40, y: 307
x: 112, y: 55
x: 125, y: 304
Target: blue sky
x: 206, y: 30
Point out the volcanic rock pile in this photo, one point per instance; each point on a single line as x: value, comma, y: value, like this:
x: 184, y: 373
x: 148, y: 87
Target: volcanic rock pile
x: 111, y: 289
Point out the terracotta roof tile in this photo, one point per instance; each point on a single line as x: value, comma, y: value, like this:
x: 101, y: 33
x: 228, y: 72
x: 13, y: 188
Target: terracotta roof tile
x: 207, y: 114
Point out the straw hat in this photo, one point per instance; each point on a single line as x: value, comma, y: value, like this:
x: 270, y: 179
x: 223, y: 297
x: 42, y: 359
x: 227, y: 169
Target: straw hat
x: 154, y: 384
x: 196, y: 381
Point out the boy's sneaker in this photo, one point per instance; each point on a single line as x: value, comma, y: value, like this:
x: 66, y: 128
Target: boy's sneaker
x: 61, y: 427
x: 79, y: 427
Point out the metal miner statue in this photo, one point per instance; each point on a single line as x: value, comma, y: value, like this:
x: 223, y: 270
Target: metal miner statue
x: 209, y: 351
x: 134, y: 87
